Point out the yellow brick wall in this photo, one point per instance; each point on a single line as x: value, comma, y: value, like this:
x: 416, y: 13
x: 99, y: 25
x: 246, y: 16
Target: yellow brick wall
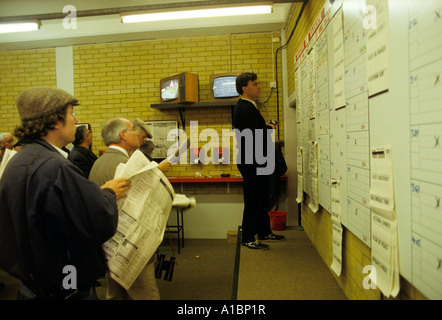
x: 20, y: 70
x: 122, y: 80
x: 318, y: 226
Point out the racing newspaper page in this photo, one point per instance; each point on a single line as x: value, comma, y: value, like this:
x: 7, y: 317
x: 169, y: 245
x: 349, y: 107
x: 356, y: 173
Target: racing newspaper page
x: 6, y: 157
x: 142, y: 219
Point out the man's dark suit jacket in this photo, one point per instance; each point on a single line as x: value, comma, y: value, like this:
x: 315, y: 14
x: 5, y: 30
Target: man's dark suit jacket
x: 247, y: 116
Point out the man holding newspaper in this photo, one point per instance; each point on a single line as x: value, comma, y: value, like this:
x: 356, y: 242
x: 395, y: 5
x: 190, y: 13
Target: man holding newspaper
x: 142, y: 218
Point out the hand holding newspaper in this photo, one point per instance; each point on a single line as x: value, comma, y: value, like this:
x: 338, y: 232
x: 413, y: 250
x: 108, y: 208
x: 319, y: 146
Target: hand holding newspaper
x: 142, y: 219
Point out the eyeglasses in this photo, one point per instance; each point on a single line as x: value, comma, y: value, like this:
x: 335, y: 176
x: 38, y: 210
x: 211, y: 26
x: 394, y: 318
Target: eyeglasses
x: 143, y: 138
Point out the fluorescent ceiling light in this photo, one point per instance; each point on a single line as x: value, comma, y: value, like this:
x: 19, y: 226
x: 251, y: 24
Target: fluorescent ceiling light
x: 130, y: 17
x: 6, y: 27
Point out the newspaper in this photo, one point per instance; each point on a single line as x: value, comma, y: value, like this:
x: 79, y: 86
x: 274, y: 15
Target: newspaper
x: 142, y: 219
x: 6, y: 157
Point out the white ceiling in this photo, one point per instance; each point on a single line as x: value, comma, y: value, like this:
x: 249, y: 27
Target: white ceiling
x: 99, y: 21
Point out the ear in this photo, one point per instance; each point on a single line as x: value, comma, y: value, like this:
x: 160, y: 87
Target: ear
x: 122, y: 135
x: 58, y: 125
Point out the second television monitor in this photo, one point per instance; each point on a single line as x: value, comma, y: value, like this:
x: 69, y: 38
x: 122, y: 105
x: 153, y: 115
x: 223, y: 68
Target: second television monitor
x: 223, y: 87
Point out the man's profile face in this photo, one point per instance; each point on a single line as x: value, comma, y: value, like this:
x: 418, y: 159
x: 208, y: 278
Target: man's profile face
x: 130, y: 136
x: 252, y: 89
x: 67, y: 130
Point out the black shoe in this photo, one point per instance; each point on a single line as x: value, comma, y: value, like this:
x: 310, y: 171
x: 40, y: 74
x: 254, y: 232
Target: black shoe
x: 271, y: 237
x: 256, y: 245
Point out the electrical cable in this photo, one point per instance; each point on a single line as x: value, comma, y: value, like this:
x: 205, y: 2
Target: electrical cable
x: 276, y: 61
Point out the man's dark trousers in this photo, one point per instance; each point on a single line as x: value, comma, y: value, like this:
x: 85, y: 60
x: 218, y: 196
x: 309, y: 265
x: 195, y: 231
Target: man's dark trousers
x: 256, y: 219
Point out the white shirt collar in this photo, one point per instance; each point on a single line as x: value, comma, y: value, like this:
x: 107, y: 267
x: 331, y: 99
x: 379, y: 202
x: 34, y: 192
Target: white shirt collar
x: 120, y: 149
x: 254, y: 103
x: 63, y: 153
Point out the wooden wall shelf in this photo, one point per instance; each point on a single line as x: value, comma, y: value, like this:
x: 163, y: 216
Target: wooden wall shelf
x: 208, y: 104
x: 183, y: 106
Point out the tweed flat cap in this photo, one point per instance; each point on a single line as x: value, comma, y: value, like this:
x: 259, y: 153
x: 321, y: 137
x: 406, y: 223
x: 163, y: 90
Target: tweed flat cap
x: 34, y: 103
x: 138, y: 123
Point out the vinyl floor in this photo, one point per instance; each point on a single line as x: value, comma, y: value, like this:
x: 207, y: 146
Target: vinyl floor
x: 213, y: 269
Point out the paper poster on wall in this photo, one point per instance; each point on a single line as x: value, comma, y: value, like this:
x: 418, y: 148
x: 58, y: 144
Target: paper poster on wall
x: 300, y: 195
x: 323, y: 122
x: 384, y: 248
x: 303, y: 111
x: 426, y: 265
x: 339, y: 66
x: 300, y: 161
x: 336, y: 265
x: 336, y: 213
x: 160, y: 131
x: 313, y: 173
x: 377, y: 48
x: 381, y: 183
x: 298, y: 94
x: 300, y: 164
x: 358, y: 218
x: 311, y: 80
x: 313, y: 158
x: 425, y: 96
x: 314, y: 194
x: 384, y: 255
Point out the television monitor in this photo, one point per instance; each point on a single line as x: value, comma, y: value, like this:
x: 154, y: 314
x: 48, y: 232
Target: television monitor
x: 223, y: 87
x: 179, y: 88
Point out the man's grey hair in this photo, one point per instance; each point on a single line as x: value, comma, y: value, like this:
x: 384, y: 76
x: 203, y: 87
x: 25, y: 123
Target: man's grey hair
x: 111, y: 131
x: 3, y: 136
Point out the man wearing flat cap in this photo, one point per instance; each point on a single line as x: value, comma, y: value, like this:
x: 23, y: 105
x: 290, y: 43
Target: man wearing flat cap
x: 53, y: 221
x: 144, y: 134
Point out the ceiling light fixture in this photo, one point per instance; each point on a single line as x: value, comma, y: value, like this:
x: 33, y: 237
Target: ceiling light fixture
x: 191, y: 13
x: 19, y: 26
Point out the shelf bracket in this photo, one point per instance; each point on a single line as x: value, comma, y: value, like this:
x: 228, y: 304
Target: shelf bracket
x: 232, y: 109
x: 183, y: 117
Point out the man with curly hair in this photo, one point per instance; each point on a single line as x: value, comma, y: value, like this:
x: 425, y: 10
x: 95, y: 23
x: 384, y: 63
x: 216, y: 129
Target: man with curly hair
x: 51, y: 216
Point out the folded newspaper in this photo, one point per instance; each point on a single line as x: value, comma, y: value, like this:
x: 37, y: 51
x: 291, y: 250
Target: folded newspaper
x: 6, y: 157
x: 142, y: 219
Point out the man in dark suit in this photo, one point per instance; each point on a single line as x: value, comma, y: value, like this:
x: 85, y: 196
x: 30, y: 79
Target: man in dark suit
x: 247, y: 121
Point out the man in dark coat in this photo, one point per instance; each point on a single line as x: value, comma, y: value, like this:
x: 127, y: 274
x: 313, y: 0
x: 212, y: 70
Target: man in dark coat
x: 248, y: 121
x: 53, y: 221
x: 81, y: 154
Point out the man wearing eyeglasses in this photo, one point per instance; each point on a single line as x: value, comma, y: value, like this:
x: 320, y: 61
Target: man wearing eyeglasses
x: 122, y: 139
